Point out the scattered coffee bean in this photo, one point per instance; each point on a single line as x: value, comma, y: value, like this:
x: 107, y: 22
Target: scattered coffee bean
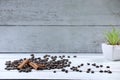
x: 81, y: 64
x: 109, y: 71
x: 80, y: 70
x: 92, y: 72
x: 78, y: 66
x: 97, y: 66
x: 107, y: 66
x: 88, y: 63
x: 101, y: 71
x: 74, y: 56
x: 68, y: 56
x: 94, y: 64
x: 54, y: 71
x: 88, y: 69
x: 101, y: 65
x: 105, y: 71
x: 66, y: 71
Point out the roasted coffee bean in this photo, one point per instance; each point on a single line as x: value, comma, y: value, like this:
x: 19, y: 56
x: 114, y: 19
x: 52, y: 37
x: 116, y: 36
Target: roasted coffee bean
x: 78, y: 66
x: 32, y: 55
x: 94, y: 64
x: 80, y: 70
x: 101, y: 65
x: 101, y: 71
x: 97, y: 66
x: 63, y: 70
x: 74, y: 56
x: 88, y: 63
x: 88, y: 69
x: 77, y: 70
x: 54, y: 71
x: 92, y: 72
x: 81, y: 64
x: 107, y: 66
x: 66, y: 71
x: 20, y: 70
x: 109, y: 71
x: 68, y: 56
x: 63, y: 56
x: 8, y: 63
x: 105, y: 71
x: 70, y: 62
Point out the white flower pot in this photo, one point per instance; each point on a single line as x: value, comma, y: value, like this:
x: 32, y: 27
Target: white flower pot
x: 111, y: 52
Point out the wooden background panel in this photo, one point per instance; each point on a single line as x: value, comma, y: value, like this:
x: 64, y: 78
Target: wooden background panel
x: 52, y: 39
x: 59, y: 12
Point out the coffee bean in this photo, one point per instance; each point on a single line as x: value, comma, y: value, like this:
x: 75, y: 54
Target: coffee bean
x: 88, y: 63
x: 20, y: 70
x: 92, y: 72
x: 94, y: 64
x: 97, y: 66
x: 81, y: 64
x: 63, y: 70
x: 63, y: 56
x: 70, y: 62
x: 8, y: 63
x: 54, y: 71
x: 68, y: 56
x: 78, y: 66
x: 88, y: 69
x: 66, y: 71
x: 107, y: 66
x: 105, y: 71
x: 74, y: 56
x: 109, y: 71
x: 101, y: 71
x: 80, y: 70
x: 101, y: 65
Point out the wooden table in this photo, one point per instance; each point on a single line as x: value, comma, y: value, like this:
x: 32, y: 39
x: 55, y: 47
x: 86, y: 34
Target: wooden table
x: 48, y: 74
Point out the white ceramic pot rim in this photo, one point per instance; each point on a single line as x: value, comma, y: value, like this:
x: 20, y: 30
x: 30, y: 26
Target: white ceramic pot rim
x: 111, y: 45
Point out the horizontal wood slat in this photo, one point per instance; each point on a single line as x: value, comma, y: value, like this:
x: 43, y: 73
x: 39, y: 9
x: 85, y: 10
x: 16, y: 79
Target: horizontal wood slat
x: 59, y: 12
x: 52, y: 39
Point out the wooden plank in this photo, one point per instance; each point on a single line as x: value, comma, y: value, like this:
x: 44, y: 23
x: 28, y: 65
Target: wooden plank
x: 81, y: 58
x: 52, y: 39
x: 59, y: 12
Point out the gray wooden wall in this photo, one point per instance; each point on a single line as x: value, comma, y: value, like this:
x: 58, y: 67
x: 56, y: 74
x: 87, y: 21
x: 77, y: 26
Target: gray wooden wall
x: 56, y: 25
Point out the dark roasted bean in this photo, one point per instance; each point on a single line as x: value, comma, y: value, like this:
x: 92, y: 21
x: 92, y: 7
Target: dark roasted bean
x: 81, y: 64
x: 88, y: 63
x: 68, y: 56
x: 101, y: 71
x: 101, y: 65
x: 74, y: 56
x: 66, y: 71
x: 92, y: 71
x: 107, y: 66
x: 97, y: 66
x: 109, y: 71
x: 54, y: 71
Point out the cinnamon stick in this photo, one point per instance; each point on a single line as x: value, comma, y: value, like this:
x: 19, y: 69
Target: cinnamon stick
x: 23, y: 63
x: 34, y: 65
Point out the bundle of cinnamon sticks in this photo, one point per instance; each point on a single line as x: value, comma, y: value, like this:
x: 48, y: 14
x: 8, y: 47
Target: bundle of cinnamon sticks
x: 32, y: 64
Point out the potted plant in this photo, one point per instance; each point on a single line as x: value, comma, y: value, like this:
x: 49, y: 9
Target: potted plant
x: 111, y: 49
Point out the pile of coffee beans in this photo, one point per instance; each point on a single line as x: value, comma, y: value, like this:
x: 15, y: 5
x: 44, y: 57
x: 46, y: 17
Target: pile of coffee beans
x: 48, y: 62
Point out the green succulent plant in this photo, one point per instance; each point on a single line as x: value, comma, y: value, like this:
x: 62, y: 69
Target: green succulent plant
x: 113, y: 37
